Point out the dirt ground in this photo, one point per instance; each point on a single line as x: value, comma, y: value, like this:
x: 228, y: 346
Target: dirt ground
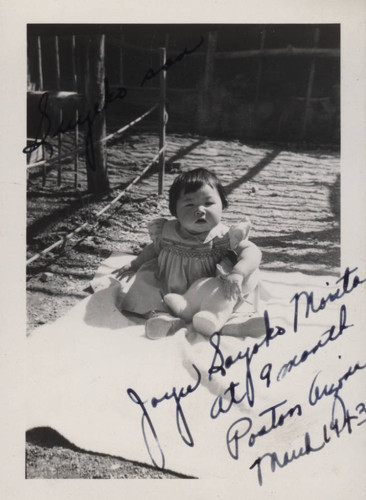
x: 291, y: 196
x: 50, y: 456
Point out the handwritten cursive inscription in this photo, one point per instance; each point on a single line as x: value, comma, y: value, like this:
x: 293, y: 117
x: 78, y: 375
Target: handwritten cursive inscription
x: 329, y: 335
x: 250, y: 427
x: 316, y: 393
x: 181, y: 421
x: 151, y: 73
x: 45, y: 124
x: 341, y: 420
x: 310, y: 307
x: 241, y: 427
x: 287, y: 458
x: 243, y: 430
x: 148, y: 430
x: 220, y: 364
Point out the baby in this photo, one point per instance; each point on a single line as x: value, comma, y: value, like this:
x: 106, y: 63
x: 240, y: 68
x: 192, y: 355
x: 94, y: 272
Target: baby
x: 193, y: 246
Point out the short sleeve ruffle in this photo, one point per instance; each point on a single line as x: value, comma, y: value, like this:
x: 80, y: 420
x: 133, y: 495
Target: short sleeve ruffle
x: 238, y: 233
x: 155, y: 228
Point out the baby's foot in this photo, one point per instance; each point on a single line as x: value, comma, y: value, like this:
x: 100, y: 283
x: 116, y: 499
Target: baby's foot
x: 243, y: 324
x: 161, y: 325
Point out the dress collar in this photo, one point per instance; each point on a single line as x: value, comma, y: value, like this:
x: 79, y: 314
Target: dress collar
x: 201, y: 237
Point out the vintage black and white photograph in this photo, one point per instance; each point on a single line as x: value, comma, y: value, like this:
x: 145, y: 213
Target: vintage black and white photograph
x: 191, y: 312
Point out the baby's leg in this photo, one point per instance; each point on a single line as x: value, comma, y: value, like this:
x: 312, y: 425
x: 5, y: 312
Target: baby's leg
x: 215, y: 309
x: 144, y: 295
x: 185, y: 306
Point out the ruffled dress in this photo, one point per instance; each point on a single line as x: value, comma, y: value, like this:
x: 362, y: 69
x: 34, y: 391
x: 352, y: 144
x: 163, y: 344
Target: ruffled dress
x: 181, y: 260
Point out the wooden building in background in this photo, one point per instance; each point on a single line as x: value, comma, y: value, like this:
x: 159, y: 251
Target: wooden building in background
x: 247, y: 82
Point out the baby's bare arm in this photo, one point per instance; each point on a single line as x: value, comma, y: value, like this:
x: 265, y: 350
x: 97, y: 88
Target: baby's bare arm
x: 248, y: 261
x: 148, y: 253
x: 249, y: 258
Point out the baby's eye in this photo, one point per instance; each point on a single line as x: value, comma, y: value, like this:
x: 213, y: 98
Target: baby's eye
x: 209, y: 203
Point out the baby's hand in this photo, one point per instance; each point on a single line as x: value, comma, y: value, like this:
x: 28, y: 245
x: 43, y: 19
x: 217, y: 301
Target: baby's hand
x: 125, y: 271
x: 232, y: 286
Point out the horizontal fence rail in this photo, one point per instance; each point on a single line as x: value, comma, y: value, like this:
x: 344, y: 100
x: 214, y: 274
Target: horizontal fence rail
x: 288, y: 51
x: 67, y: 237
x: 58, y: 158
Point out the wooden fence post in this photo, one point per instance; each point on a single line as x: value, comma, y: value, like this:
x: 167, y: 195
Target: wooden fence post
x: 59, y: 173
x: 121, y: 72
x: 76, y: 157
x: 73, y: 59
x: 204, y: 101
x: 75, y: 88
x: 162, y: 119
x: 44, y: 166
x: 40, y: 70
x: 258, y: 82
x: 96, y: 157
x: 310, y: 86
x: 57, y: 60
x: 58, y: 86
x: 29, y: 84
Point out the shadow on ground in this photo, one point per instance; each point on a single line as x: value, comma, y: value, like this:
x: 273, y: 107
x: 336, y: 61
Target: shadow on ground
x: 58, y: 458
x: 298, y: 250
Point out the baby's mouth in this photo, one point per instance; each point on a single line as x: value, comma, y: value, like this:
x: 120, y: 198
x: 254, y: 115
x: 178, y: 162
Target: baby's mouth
x: 200, y: 221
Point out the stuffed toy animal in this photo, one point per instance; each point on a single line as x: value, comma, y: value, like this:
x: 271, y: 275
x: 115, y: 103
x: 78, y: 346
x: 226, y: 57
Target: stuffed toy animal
x: 204, y: 303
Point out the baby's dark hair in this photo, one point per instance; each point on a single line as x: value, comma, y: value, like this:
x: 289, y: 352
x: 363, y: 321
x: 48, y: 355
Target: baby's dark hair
x: 191, y: 181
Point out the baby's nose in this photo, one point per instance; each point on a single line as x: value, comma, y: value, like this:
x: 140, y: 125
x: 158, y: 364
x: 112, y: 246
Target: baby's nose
x: 200, y: 210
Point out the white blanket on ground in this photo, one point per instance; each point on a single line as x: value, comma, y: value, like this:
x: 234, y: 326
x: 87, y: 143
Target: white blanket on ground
x: 95, y: 378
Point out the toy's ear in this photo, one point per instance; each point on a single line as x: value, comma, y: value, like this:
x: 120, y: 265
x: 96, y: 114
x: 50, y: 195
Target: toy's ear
x: 238, y: 233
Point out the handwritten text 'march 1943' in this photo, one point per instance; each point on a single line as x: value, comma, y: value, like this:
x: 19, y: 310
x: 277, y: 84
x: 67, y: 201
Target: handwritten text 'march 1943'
x: 342, y: 422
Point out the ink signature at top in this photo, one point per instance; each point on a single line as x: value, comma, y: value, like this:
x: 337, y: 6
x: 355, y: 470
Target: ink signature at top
x: 45, y: 124
x: 151, y: 73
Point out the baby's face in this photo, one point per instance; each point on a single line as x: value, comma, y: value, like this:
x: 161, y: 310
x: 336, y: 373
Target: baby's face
x: 200, y: 211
